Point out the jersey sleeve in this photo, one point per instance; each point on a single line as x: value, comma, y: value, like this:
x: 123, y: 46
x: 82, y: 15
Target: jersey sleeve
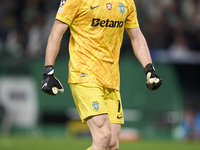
x: 131, y: 20
x: 67, y: 11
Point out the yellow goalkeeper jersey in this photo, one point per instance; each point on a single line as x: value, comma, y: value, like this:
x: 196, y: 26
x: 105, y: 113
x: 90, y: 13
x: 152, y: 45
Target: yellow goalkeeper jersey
x: 96, y: 28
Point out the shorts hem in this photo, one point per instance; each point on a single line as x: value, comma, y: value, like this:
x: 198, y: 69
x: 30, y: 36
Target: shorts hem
x: 91, y: 115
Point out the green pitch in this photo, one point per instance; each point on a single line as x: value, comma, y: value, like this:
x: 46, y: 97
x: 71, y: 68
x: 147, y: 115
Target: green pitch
x: 69, y: 143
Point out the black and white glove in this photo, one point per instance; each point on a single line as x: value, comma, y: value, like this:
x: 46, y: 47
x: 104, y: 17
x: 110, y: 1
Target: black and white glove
x: 153, y: 80
x: 50, y: 84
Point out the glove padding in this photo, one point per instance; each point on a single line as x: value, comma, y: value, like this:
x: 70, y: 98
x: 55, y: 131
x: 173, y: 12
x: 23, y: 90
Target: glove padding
x: 153, y: 80
x: 50, y: 84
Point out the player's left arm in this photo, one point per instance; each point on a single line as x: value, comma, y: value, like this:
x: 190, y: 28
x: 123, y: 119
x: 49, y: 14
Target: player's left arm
x: 142, y: 53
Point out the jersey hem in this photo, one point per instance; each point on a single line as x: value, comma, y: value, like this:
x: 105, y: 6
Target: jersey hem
x: 110, y: 87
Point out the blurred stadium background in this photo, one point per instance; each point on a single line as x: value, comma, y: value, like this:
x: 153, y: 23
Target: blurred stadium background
x: 172, y: 31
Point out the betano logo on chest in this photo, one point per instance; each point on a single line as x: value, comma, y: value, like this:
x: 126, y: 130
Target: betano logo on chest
x: 106, y: 23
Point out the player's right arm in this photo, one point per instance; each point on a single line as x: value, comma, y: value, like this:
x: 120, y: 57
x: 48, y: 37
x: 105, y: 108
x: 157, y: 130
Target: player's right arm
x: 50, y: 84
x: 54, y: 40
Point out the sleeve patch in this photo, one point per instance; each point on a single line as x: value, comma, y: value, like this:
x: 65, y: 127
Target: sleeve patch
x: 60, y: 10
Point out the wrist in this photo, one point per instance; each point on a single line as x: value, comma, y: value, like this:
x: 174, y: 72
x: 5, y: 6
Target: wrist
x: 149, y: 68
x: 48, y: 70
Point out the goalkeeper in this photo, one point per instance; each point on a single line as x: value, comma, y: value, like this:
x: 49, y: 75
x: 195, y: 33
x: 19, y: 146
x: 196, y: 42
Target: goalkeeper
x: 97, y: 29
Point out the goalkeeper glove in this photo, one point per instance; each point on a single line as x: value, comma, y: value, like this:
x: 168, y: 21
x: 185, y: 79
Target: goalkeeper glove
x: 50, y: 84
x: 153, y: 80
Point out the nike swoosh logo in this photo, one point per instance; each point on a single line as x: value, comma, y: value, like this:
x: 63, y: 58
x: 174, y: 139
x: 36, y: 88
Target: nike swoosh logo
x: 44, y: 85
x: 93, y: 7
x: 51, y: 72
x: 119, y: 117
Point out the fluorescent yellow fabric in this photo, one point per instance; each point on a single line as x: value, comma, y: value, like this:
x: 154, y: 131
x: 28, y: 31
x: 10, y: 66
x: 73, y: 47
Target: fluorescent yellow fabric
x: 96, y: 28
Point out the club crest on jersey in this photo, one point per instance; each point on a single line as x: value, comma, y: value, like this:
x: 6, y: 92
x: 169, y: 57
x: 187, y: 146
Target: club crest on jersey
x: 95, y: 105
x: 121, y: 8
x: 109, y: 6
x: 62, y: 2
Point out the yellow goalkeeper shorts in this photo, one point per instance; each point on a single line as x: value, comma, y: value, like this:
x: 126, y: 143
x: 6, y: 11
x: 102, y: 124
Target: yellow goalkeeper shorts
x: 92, y: 99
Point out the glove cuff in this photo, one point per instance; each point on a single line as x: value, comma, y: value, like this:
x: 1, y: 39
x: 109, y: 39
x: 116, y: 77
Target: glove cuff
x: 148, y: 68
x: 48, y: 70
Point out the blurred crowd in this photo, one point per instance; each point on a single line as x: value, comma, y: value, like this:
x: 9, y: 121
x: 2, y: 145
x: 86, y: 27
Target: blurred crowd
x: 170, y: 24
x: 167, y: 24
x: 25, y: 26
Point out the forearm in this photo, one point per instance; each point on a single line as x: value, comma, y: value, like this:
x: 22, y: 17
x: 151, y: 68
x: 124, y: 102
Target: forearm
x: 141, y: 50
x: 139, y: 45
x: 142, y: 53
x: 52, y: 49
x: 54, y: 40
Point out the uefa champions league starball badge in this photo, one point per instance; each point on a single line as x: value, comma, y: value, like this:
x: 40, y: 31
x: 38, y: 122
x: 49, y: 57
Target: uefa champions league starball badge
x: 95, y: 105
x: 121, y: 8
x: 62, y: 2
